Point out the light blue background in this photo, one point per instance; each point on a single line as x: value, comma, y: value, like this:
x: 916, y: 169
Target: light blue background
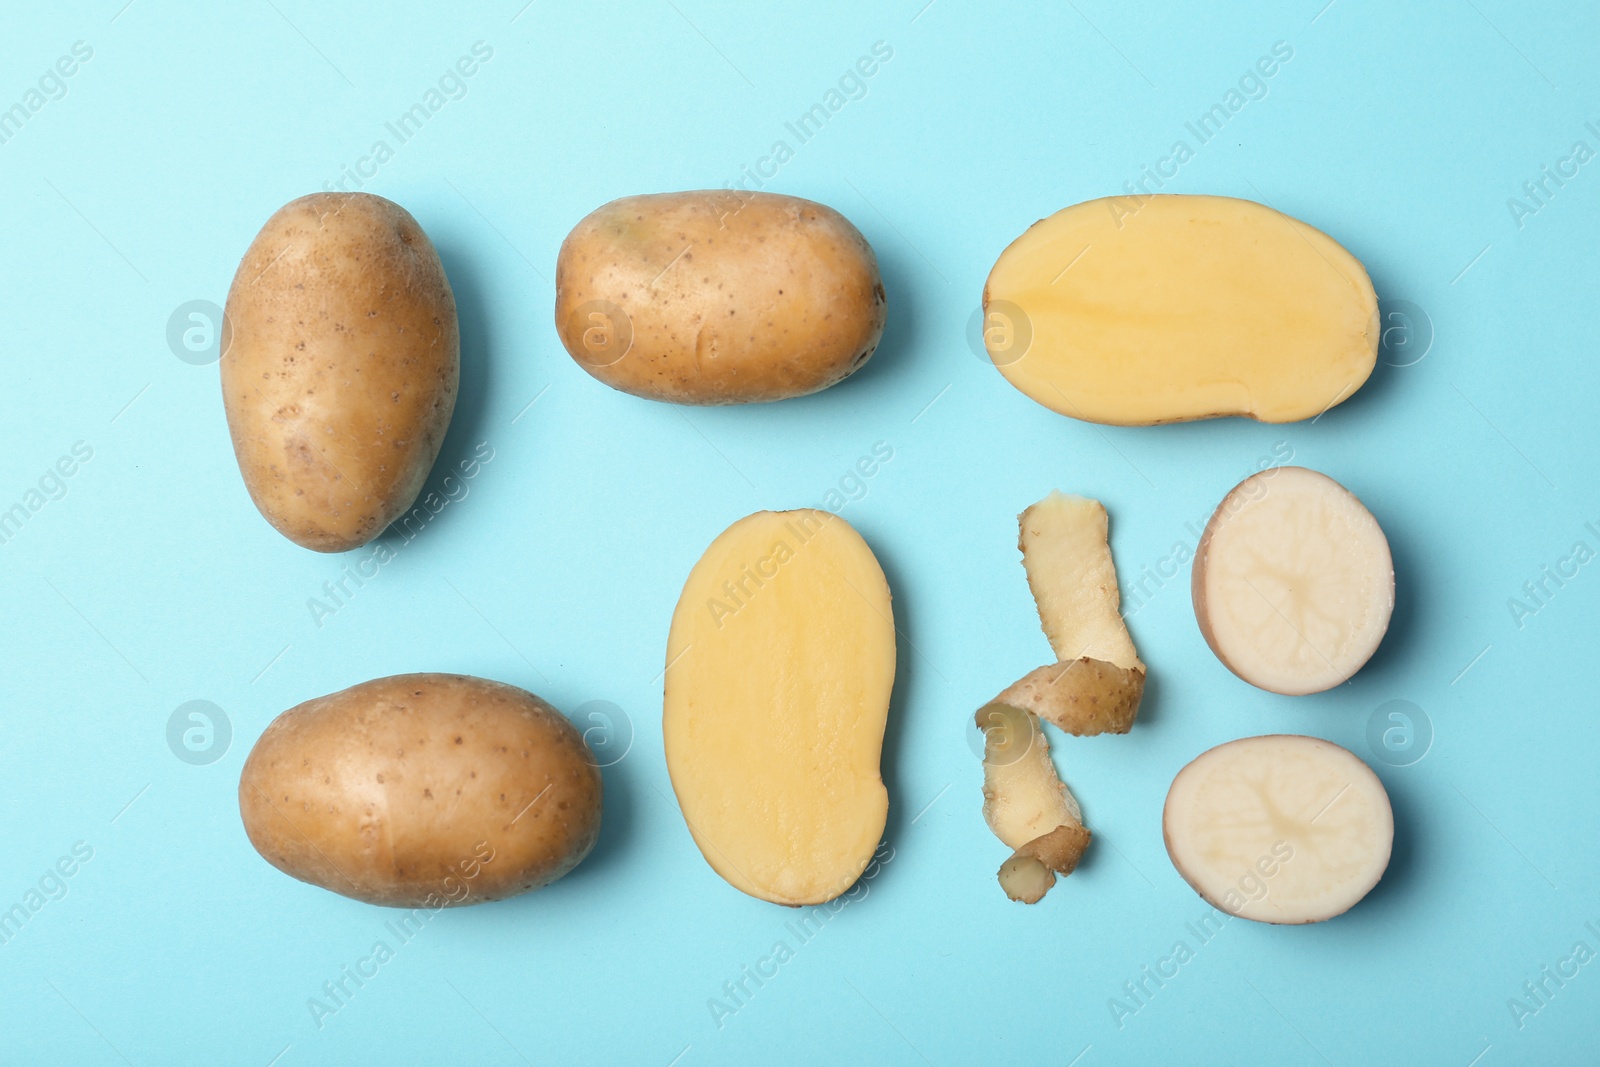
x: 154, y: 582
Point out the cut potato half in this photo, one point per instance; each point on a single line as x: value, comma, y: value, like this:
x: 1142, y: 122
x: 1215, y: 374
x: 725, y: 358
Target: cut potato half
x: 1279, y: 829
x: 780, y: 664
x: 1293, y: 583
x: 1140, y: 310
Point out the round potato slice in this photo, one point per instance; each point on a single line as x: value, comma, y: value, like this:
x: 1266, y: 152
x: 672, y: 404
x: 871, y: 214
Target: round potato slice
x: 1293, y: 583
x: 1279, y: 829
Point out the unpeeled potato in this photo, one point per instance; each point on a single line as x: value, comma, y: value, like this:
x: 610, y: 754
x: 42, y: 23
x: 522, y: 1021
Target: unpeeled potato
x: 718, y: 297
x: 422, y: 790
x: 341, y: 355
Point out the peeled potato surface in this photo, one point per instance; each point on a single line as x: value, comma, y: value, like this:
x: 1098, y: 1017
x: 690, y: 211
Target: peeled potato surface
x: 422, y: 790
x: 1279, y: 829
x: 718, y: 297
x: 780, y: 662
x: 1170, y: 308
x: 1293, y: 583
x: 341, y: 356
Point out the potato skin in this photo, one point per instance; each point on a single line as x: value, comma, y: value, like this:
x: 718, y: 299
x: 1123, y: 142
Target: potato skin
x: 422, y: 790
x: 727, y: 297
x: 341, y: 358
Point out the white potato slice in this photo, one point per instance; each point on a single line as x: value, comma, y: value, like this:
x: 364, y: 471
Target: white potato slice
x: 1279, y: 829
x: 1293, y: 583
x: 1074, y: 581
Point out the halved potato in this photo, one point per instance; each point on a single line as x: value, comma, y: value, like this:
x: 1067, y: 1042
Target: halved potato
x: 1279, y: 829
x: 1141, y: 310
x: 1293, y: 583
x: 780, y: 664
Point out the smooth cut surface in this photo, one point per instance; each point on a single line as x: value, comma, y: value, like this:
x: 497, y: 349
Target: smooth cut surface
x: 422, y: 790
x: 1135, y: 311
x: 1279, y: 829
x: 341, y: 358
x: 780, y: 664
x: 1293, y: 582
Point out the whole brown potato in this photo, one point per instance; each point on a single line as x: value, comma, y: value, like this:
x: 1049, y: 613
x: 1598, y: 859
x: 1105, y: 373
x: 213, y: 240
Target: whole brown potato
x: 422, y: 790
x: 718, y: 297
x: 341, y: 355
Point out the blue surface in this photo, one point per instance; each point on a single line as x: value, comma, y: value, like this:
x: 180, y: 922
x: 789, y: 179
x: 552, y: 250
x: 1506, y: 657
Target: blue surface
x: 146, y: 579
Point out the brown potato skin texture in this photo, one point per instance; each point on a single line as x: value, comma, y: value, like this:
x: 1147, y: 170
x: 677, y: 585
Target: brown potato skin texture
x: 732, y: 298
x: 341, y: 360
x: 391, y: 791
x: 1083, y: 697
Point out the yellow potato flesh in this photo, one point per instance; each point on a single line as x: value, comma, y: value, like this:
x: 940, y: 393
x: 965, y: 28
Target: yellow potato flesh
x: 780, y: 662
x: 1177, y: 308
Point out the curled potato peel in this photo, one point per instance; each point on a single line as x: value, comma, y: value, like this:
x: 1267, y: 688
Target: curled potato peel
x: 1069, y: 566
x: 1082, y: 697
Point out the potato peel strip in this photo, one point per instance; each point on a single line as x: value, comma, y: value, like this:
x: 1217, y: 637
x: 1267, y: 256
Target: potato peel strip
x: 1070, y: 571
